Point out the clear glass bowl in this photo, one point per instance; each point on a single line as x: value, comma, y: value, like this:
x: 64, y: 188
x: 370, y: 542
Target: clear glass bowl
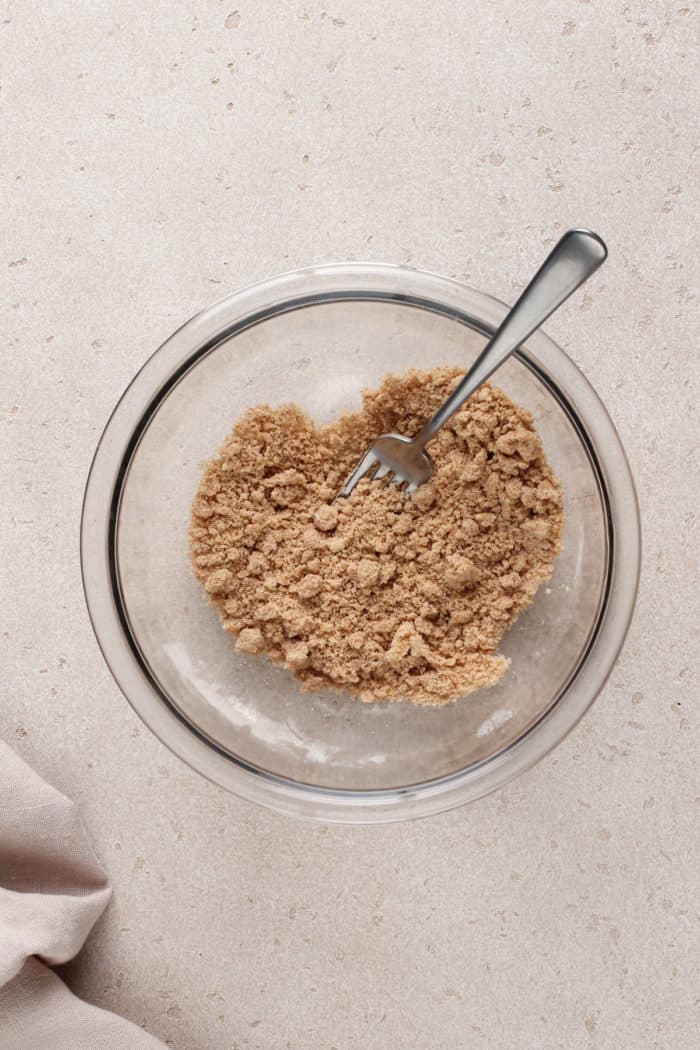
x: 317, y: 337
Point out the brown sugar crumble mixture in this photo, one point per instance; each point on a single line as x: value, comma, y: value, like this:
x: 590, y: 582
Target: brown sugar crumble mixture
x: 385, y: 595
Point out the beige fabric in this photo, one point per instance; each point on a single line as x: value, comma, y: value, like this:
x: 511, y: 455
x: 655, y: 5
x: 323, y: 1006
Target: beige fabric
x: 52, y: 890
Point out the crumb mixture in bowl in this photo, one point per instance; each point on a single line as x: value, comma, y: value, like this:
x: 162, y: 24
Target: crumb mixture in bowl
x: 388, y: 596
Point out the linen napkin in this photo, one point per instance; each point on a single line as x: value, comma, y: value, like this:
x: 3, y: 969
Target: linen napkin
x: 52, y: 891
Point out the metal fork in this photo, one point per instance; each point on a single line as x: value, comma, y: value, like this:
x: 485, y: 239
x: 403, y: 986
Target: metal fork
x: 404, y: 460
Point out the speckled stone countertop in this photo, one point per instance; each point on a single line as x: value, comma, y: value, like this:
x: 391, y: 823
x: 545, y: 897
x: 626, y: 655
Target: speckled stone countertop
x: 157, y: 156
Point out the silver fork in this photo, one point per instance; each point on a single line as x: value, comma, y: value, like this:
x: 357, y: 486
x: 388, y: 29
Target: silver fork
x: 404, y: 460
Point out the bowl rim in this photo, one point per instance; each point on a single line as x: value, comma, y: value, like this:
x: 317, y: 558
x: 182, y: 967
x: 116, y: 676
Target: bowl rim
x: 128, y: 422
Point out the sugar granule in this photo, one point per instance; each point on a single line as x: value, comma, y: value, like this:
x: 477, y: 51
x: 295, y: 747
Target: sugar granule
x: 387, y: 596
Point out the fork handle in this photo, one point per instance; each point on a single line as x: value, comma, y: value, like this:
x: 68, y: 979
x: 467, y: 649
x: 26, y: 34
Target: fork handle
x: 572, y: 261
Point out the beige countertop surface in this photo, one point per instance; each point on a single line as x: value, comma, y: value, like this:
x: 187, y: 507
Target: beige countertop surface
x: 157, y: 156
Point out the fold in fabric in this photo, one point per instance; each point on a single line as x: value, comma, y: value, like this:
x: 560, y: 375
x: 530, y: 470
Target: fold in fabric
x: 52, y: 891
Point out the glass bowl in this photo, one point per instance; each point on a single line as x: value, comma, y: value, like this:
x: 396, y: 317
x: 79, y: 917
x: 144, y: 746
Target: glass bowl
x: 317, y: 337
